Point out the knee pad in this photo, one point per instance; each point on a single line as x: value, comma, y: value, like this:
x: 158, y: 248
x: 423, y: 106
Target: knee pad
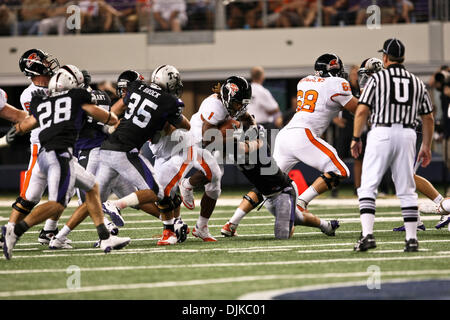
x: 165, y: 205
x: 25, y: 205
x: 332, y: 181
x: 252, y: 202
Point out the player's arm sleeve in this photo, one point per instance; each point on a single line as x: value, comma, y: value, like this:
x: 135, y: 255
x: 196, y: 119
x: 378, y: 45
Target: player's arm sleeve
x: 343, y: 93
x: 368, y: 95
x: 426, y: 107
x: 213, y: 116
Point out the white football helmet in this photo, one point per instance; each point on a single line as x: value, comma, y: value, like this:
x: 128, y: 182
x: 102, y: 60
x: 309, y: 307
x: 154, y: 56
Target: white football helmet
x: 66, y: 78
x: 368, y: 67
x: 168, y: 78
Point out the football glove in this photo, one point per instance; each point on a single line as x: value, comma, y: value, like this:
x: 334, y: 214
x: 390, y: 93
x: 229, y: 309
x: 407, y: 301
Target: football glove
x: 39, y: 93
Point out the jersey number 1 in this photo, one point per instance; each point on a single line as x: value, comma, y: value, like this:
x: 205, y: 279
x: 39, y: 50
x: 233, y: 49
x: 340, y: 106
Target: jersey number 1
x: 143, y: 115
x: 307, y: 101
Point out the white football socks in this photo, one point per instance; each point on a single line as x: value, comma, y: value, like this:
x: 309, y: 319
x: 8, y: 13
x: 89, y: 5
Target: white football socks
x: 127, y: 201
x: 367, y: 221
x: 50, y: 225
x: 411, y: 230
x: 237, y: 216
x: 308, y: 194
x: 202, y: 221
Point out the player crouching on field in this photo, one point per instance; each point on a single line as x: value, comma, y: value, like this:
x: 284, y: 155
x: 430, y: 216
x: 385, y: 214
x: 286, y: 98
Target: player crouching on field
x: 60, y: 117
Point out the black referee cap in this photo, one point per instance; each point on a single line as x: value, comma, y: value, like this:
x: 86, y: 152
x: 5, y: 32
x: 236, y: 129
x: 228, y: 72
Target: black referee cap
x: 393, y: 47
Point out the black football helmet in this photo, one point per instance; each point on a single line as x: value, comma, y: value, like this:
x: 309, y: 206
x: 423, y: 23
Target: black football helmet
x: 125, y: 78
x: 36, y: 62
x: 330, y: 65
x: 236, y: 90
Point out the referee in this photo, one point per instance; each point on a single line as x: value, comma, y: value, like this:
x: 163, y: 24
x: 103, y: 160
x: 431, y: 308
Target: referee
x: 393, y: 98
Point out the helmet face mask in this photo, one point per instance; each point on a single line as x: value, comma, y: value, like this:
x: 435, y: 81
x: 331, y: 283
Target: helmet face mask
x: 36, y: 62
x: 168, y: 78
x: 125, y: 78
x: 236, y: 94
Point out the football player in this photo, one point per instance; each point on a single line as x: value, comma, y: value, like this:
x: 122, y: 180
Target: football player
x: 146, y: 108
x: 277, y: 191
x: 39, y: 67
x: 367, y: 69
x: 60, y: 116
x: 320, y: 98
x: 229, y: 101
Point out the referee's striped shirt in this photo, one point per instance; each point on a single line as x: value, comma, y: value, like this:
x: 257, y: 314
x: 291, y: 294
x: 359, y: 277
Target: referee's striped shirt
x: 394, y: 95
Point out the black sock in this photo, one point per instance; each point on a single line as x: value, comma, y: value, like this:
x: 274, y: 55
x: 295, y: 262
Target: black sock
x: 20, y: 228
x: 170, y: 227
x: 102, y: 231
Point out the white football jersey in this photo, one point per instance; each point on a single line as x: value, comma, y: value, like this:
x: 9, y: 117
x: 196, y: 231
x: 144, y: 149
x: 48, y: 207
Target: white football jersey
x: 25, y: 100
x: 169, y: 145
x: 212, y: 111
x: 3, y: 99
x: 319, y: 100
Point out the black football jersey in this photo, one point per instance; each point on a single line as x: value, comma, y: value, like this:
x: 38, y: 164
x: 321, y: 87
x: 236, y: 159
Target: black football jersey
x: 148, y: 109
x: 91, y: 134
x: 60, y: 117
x: 262, y: 171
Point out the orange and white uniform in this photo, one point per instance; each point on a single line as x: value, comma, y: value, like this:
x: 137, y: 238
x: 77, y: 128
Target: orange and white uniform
x: 319, y: 100
x: 33, y: 187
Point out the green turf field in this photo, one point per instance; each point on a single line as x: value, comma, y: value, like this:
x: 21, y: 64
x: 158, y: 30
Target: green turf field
x: 226, y: 269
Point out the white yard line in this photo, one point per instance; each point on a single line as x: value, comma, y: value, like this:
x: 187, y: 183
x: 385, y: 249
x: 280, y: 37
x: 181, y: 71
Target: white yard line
x: 199, y: 282
x: 58, y: 254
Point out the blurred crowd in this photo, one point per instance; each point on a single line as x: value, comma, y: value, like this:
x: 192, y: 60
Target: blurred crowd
x: 42, y: 17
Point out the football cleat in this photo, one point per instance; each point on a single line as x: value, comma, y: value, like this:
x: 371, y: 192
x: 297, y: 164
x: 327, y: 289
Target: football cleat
x: 412, y: 245
x: 445, y: 220
x: 203, y: 234
x: 229, y: 229
x: 169, y: 237
x: 365, y: 243
x: 112, y: 228
x: 187, y: 195
x: 113, y: 212
x: 420, y: 226
x: 113, y: 243
x: 46, y: 235
x: 428, y: 208
x: 331, y: 229
x: 181, y: 230
x: 10, y: 240
x: 57, y: 243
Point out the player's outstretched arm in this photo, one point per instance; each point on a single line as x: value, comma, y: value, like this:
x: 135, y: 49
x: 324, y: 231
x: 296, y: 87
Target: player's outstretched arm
x: 28, y: 124
x: 119, y: 107
x: 427, y: 138
x: 12, y: 114
x: 99, y: 114
x: 352, y: 105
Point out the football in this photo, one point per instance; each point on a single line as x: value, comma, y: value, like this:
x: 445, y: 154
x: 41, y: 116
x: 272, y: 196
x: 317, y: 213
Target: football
x: 229, y: 125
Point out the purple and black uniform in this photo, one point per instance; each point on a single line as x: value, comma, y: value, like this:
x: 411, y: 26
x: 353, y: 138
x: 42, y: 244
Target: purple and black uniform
x: 61, y: 118
x: 148, y: 110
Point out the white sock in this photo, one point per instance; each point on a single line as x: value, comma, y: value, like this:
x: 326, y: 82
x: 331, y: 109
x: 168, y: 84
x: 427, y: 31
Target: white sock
x: 11, y: 224
x: 308, y: 194
x: 202, y: 221
x: 438, y: 199
x: 187, y: 184
x: 127, y: 201
x: 367, y: 221
x: 64, y: 232
x: 237, y: 216
x: 411, y: 230
x: 50, y: 225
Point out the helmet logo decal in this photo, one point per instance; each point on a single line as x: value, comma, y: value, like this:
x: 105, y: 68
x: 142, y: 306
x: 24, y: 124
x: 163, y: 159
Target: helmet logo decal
x: 334, y: 64
x: 233, y: 89
x: 31, y: 59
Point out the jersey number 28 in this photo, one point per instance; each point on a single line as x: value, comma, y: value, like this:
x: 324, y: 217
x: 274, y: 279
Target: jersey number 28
x: 62, y: 112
